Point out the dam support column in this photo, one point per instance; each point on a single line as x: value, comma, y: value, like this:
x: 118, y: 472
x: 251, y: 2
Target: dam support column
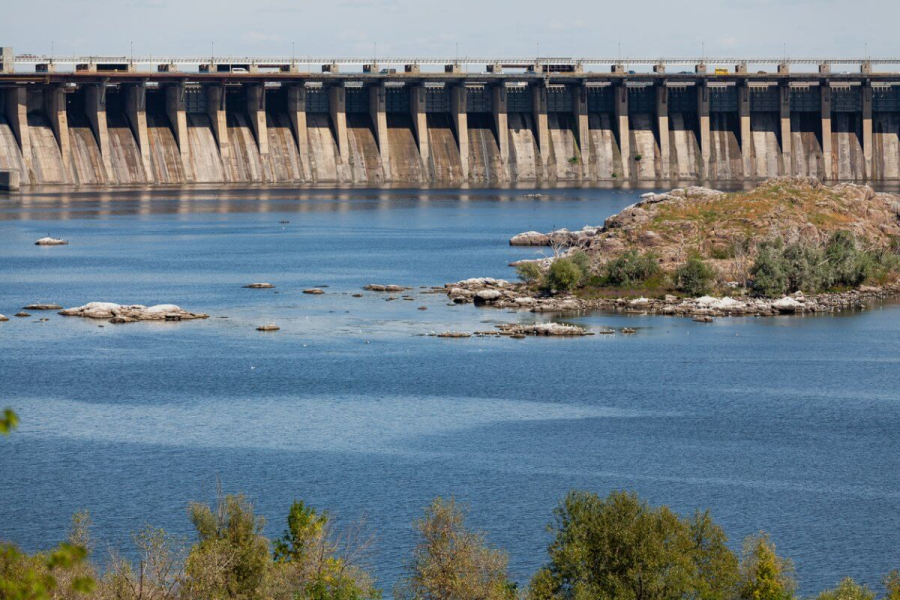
x: 378, y: 112
x: 703, y: 116
x: 256, y: 112
x: 136, y: 110
x: 55, y: 107
x: 337, y: 106
x: 420, y: 126
x: 461, y: 125
x: 826, y: 131
x: 622, y: 128
x: 297, y: 111
x: 867, y: 139
x: 498, y: 108
x: 746, y: 132
x: 177, y: 113
x: 542, y: 130
x: 17, y: 115
x: 95, y: 109
x: 662, y: 126
x: 215, y: 109
x: 580, y: 112
x: 784, y: 103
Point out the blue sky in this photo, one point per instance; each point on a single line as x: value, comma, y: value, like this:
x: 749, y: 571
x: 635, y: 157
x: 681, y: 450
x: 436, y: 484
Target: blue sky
x: 649, y: 28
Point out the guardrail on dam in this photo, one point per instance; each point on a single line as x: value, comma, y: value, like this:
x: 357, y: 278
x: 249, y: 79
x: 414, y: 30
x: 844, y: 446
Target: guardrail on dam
x: 106, y: 122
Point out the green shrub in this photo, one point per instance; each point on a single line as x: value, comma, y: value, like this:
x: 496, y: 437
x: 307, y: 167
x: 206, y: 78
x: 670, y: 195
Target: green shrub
x: 694, y: 277
x: 631, y: 268
x: 769, y: 272
x: 582, y: 261
x: 564, y: 275
x: 529, y: 272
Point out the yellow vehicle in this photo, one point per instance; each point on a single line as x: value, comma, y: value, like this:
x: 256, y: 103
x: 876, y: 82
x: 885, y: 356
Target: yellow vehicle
x: 721, y: 71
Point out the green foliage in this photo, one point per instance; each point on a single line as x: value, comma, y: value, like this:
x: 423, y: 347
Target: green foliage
x: 892, y: 585
x: 231, y: 558
x: 786, y: 268
x: 847, y: 589
x: 769, y: 271
x: 638, y: 157
x: 630, y: 269
x: 451, y: 562
x: 763, y: 574
x: 8, y: 421
x: 694, y: 277
x: 620, y: 547
x: 529, y: 272
x: 564, y: 275
x: 573, y: 160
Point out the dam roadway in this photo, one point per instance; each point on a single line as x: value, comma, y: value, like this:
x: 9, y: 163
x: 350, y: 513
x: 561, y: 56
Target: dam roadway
x: 114, y: 121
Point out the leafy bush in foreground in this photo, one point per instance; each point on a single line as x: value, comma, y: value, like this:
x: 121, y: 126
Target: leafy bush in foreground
x: 564, y: 275
x: 630, y: 269
x: 529, y: 272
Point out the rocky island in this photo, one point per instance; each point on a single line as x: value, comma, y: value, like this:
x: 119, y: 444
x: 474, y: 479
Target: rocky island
x: 790, y: 246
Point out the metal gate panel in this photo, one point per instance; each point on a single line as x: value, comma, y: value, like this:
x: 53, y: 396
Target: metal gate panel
x: 357, y: 100
x: 396, y: 100
x: 764, y: 99
x: 886, y: 99
x: 806, y: 99
x: 641, y: 99
x: 723, y: 99
x: 600, y: 99
x: 519, y: 99
x: 683, y: 99
x: 559, y: 99
x: 316, y: 100
x: 437, y: 100
x: 195, y: 99
x: 846, y: 100
x: 478, y: 99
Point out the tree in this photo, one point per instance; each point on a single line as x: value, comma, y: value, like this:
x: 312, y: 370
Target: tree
x: 620, y: 547
x: 158, y: 574
x: 693, y: 277
x: 450, y: 562
x: 312, y: 562
x: 763, y: 574
x: 564, y: 275
x: 231, y: 558
x: 892, y: 585
x: 847, y: 589
x: 529, y: 272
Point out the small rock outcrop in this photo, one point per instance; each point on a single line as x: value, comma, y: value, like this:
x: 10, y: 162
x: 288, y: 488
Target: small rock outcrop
x: 260, y: 286
x: 376, y: 287
x: 22, y: 315
x: 3, y: 318
x: 51, y: 241
x: 268, y: 327
x: 43, y: 307
x: 314, y: 291
x: 129, y: 313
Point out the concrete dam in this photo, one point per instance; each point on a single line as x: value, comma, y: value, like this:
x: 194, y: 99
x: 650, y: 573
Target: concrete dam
x: 106, y: 123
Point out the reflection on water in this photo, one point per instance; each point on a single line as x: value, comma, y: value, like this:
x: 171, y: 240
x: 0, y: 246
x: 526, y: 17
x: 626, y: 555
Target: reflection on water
x: 785, y: 424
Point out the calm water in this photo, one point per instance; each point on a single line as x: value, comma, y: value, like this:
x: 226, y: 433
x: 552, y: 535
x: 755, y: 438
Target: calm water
x: 790, y: 425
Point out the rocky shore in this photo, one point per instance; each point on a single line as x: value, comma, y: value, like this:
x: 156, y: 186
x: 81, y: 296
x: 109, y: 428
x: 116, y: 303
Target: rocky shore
x: 499, y: 293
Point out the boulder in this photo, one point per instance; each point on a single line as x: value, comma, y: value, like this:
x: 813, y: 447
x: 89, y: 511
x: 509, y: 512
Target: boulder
x: 51, y: 241
x: 21, y: 315
x: 43, y: 307
x: 787, y: 305
x: 268, y: 327
x: 119, y: 313
x: 3, y: 318
x: 314, y: 291
x: 259, y: 286
x: 530, y: 238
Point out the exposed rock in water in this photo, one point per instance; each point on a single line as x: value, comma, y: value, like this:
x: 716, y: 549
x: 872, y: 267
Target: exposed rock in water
x: 21, y: 315
x: 454, y: 334
x: 530, y: 238
x: 259, y: 286
x: 51, y: 241
x: 552, y: 329
x: 43, y: 307
x: 314, y: 291
x: 268, y: 327
x: 122, y: 313
x: 3, y: 318
x: 375, y: 287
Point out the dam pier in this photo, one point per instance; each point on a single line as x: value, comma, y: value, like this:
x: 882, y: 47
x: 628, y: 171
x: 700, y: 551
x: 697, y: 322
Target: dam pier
x: 97, y: 121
